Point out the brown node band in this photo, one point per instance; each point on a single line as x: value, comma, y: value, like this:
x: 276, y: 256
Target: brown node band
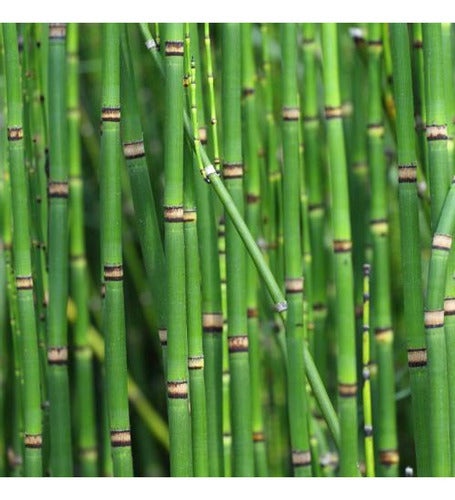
x: 332, y: 112
x: 290, y: 114
x: 162, y: 335
x: 407, y: 173
x: 417, y: 357
x: 436, y: 132
x: 57, y: 355
x: 212, y: 322
x: 384, y: 334
x: 294, y: 285
x: 121, y: 438
x: 434, y: 319
x: 113, y: 272
x: 449, y: 306
x: 442, y: 242
x: 57, y: 31
x: 57, y: 189
x: 232, y: 170
x: 196, y: 362
x: 252, y: 312
x: 173, y: 48
x: 33, y: 440
x: 379, y: 226
x: 388, y: 457
x: 133, y: 150
x: 417, y: 44
x: 110, y: 114
x: 309, y: 119
x: 252, y: 198
x: 177, y: 389
x: 316, y: 207
x: 375, y: 129
x: 15, y: 133
x: 203, y: 135
x: 301, y: 458
x: 238, y: 343
x: 342, y: 246
x: 173, y: 213
x: 258, y: 437
x: 375, y: 43
x: 24, y: 283
x: 189, y: 215
x: 247, y: 91
x: 347, y: 390
x: 308, y: 41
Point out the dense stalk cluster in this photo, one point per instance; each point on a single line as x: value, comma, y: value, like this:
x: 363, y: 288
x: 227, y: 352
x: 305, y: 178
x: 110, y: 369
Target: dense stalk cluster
x: 226, y: 250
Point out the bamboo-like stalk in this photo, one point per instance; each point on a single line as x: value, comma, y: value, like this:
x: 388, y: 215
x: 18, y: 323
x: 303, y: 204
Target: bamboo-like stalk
x: 84, y: 397
x: 366, y: 391
x: 193, y: 294
x: 342, y: 246
x: 61, y: 461
x: 238, y: 341
x: 113, y: 322
x: 297, y: 397
x: 253, y: 199
x: 31, y: 396
x: 410, y: 240
x: 141, y: 191
x: 380, y: 293
x: 177, y: 371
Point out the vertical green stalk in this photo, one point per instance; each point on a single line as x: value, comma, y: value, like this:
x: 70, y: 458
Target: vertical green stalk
x: 111, y: 251
x: 366, y: 391
x: 380, y: 289
x: 297, y: 397
x: 61, y: 462
x: 31, y: 399
x: 311, y: 131
x: 342, y: 246
x: 253, y: 198
x: 84, y: 396
x: 410, y: 239
x: 238, y: 341
x: 193, y: 300
x: 177, y: 371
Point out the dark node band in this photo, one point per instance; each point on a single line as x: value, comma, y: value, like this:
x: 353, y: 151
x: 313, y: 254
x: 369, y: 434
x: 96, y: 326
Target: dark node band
x: 332, y: 112
x: 388, y: 457
x: 15, y: 133
x: 342, y: 246
x: 294, y: 285
x: 247, y: 91
x: 212, y: 322
x: 57, y: 189
x: 383, y: 334
x: 301, y: 458
x: 407, y: 173
x: 252, y: 198
x: 134, y: 150
x: 252, y: 312
x: 110, y: 114
x: 177, y: 389
x: 449, y: 306
x: 24, y: 283
x: 258, y: 437
x: 113, y: 272
x: 190, y: 215
x: 434, y: 319
x: 366, y: 269
x: 316, y: 207
x: 173, y: 213
x: 162, y: 335
x: 121, y: 438
x: 203, y: 135
x: 57, y: 355
x: 442, y: 242
x: 366, y: 297
x: 347, y: 390
x: 417, y: 357
x: 436, y: 132
x: 319, y: 307
x: 368, y: 431
x: 33, y: 440
x: 238, y: 343
x: 290, y: 114
x: 375, y: 43
x: 232, y: 170
x: 196, y: 362
x: 379, y: 226
x: 173, y: 48
x: 417, y: 44
x: 57, y: 31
